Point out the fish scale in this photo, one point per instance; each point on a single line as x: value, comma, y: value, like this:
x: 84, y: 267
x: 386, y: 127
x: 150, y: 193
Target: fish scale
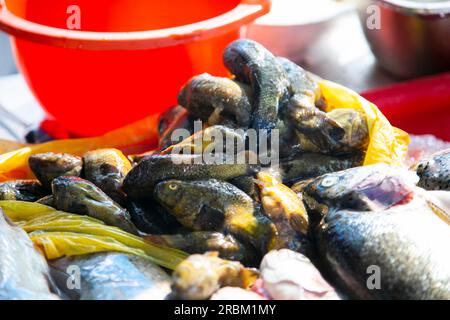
x: 434, y: 172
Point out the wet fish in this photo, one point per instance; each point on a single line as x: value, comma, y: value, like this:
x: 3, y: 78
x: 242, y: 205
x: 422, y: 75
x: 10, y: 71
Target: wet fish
x: 375, y: 187
x: 136, y: 158
x: 203, y: 241
x: 311, y: 165
x: 356, y: 137
x: 141, y: 180
x: 253, y: 64
x: 434, y: 172
x: 216, y: 139
x: 182, y: 120
x: 377, y: 236
x: 246, y: 184
x: 212, y: 205
x: 22, y: 190
x: 110, y: 276
x: 289, y: 275
x: 286, y: 210
x: 75, y: 195
x: 217, y: 100
x: 151, y: 218
x: 48, y: 166
x: 107, y: 168
x: 23, y: 270
x: 168, y: 117
x: 199, y: 276
x: 301, y: 82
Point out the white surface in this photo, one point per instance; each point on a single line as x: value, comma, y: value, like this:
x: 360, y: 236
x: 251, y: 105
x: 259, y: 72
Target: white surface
x: 16, y: 98
x: 299, y: 12
x: 7, y: 65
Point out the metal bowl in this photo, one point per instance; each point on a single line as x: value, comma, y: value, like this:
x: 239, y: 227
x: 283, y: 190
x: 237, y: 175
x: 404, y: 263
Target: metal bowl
x: 410, y: 38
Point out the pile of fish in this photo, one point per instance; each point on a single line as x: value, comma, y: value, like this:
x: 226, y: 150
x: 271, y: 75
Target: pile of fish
x: 314, y: 224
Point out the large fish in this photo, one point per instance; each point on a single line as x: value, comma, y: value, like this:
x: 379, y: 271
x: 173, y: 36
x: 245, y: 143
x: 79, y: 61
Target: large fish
x: 110, y: 276
x: 434, y: 172
x: 142, y: 179
x: 378, y: 235
x: 23, y: 271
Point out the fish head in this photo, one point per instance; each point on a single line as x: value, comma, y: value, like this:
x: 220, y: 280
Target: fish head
x: 184, y: 200
x: 434, y: 172
x: 170, y: 192
x: 367, y: 188
x: 75, y: 187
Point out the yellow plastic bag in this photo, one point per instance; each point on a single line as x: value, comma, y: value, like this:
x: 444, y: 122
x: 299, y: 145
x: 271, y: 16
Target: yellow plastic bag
x: 387, y: 144
x: 61, y: 234
x: 130, y: 139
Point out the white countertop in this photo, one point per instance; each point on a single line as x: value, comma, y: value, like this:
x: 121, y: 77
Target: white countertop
x: 17, y: 99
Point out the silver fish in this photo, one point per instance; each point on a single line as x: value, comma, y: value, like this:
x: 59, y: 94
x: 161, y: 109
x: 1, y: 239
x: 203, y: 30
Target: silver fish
x: 23, y: 271
x: 110, y: 276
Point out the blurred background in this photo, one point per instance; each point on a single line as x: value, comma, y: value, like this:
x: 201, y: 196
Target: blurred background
x: 322, y: 35
x: 7, y: 65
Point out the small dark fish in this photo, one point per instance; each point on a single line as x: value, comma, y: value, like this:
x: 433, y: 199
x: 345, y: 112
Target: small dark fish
x: 141, y: 180
x: 107, y: 168
x: 136, y: 158
x: 48, y: 166
x: 48, y: 201
x: 300, y: 80
x: 251, y: 63
x: 289, y: 275
x: 168, y: 117
x: 246, y: 184
x: 199, y: 276
x: 212, y: 205
x: 434, y: 172
x: 203, y: 241
x: 110, y: 276
x: 150, y: 217
x: 311, y: 165
x: 377, y: 236
x: 316, y: 126
x: 22, y: 190
x: 182, y: 120
x: 216, y: 139
x: 286, y: 210
x: 216, y: 100
x: 75, y: 195
x: 24, y: 272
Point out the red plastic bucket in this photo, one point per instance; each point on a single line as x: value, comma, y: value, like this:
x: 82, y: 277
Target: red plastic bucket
x: 128, y: 60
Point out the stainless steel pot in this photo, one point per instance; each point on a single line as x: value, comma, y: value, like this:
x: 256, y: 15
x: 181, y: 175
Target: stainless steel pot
x: 410, y: 38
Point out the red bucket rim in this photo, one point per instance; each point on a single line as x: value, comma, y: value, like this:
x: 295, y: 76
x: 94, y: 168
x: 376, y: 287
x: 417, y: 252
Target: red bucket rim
x: 245, y: 12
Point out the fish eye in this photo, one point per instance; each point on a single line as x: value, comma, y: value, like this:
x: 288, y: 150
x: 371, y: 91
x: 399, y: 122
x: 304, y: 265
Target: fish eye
x: 173, y: 186
x: 329, y: 181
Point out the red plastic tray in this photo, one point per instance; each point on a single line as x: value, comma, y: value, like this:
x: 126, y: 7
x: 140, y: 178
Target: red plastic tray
x: 419, y: 106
